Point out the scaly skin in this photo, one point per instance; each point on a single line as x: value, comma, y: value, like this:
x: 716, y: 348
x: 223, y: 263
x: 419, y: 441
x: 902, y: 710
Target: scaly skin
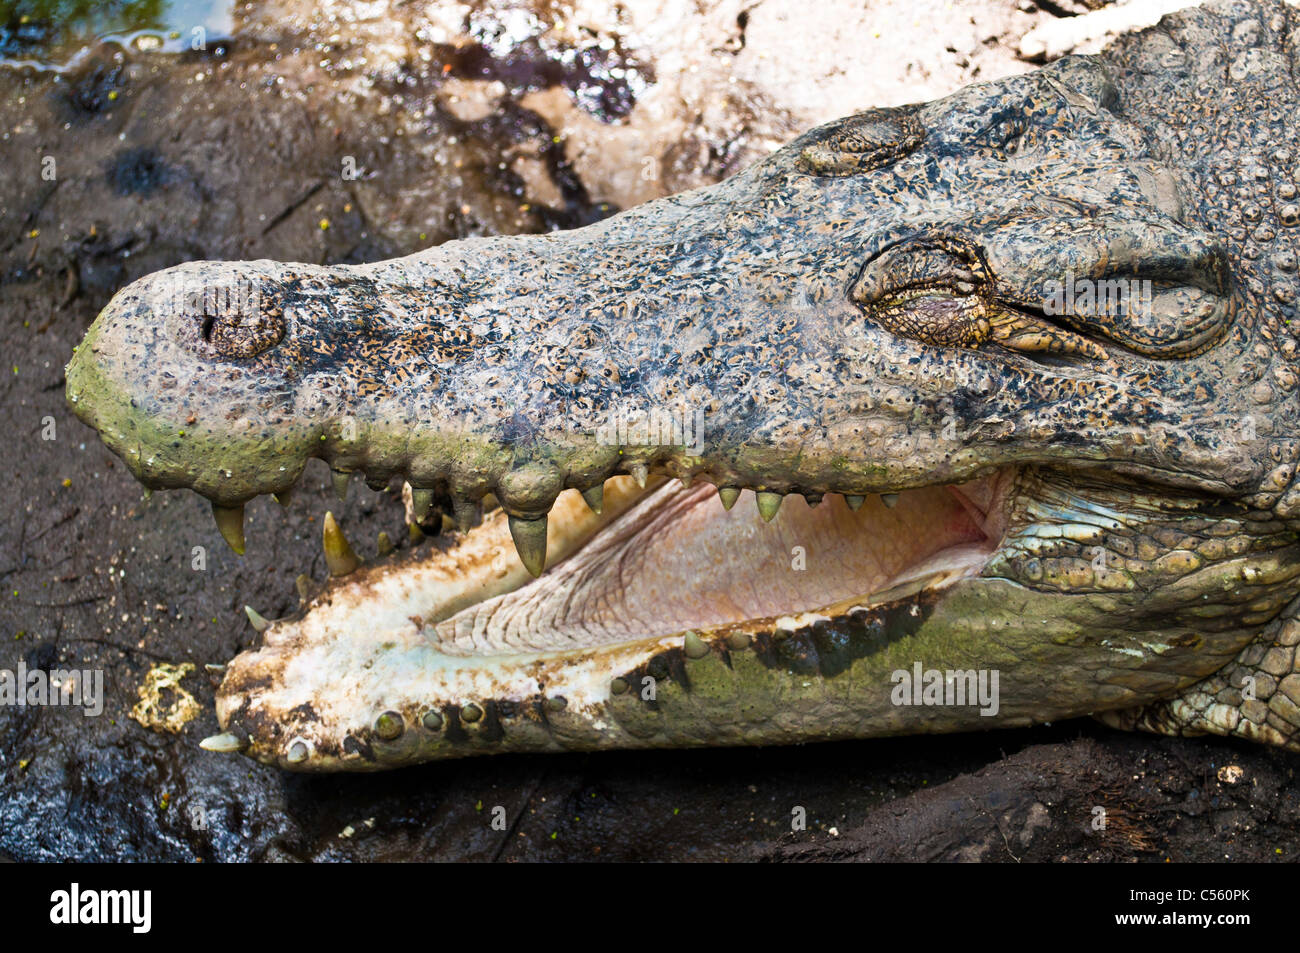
x: 862, y: 313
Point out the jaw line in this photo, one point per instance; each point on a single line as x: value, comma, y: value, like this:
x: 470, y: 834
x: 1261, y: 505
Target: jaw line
x: 317, y: 681
x: 454, y: 597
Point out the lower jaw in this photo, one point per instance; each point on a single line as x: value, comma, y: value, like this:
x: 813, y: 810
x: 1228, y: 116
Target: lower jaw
x: 344, y: 688
x: 403, y: 703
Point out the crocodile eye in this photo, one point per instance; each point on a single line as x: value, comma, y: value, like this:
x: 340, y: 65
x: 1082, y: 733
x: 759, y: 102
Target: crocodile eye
x: 862, y: 143
x: 230, y: 320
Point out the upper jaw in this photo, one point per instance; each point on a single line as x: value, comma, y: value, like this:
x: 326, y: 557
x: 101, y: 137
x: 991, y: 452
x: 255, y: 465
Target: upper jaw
x: 909, y: 416
x: 503, y: 365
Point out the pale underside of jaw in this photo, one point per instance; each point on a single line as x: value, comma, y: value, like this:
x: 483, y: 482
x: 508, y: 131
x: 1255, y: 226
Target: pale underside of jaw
x: 662, y: 561
x: 660, y: 569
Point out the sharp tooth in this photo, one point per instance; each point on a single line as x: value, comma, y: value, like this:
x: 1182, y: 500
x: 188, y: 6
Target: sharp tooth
x: 230, y: 521
x: 737, y: 641
x: 854, y: 501
x: 255, y: 619
x: 224, y: 743
x: 303, y: 585
x: 383, y: 545
x: 421, y: 502
x: 595, y: 498
x: 694, y: 646
x: 728, y: 495
x: 889, y: 499
x: 530, y: 542
x: 639, y: 473
x: 414, y: 535
x: 297, y: 752
x: 283, y: 497
x: 768, y: 504
x: 340, y: 479
x: 467, y: 513
x: 214, y: 668
x: 338, y: 554
x: 148, y: 494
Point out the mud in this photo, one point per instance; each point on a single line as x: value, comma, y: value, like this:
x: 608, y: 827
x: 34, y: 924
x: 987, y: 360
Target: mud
x: 239, y: 151
x: 1096, y: 797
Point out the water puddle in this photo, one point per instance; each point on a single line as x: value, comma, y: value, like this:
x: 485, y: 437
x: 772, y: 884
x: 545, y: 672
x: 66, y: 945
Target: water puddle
x: 512, y: 46
x: 56, y: 34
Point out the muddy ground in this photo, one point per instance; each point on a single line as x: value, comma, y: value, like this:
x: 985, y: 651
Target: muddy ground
x: 232, y: 152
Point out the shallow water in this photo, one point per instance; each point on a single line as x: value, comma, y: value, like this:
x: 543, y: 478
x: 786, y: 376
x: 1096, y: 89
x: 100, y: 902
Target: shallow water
x: 55, y: 34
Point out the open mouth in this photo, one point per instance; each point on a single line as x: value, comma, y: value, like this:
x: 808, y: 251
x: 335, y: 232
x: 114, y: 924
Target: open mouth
x: 676, y: 559
x: 454, y: 644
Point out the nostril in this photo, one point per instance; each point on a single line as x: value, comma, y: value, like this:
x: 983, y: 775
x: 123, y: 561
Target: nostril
x: 231, y: 318
x: 241, y: 335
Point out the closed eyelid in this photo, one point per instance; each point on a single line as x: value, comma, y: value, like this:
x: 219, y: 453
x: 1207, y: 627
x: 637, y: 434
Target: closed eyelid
x: 863, y: 143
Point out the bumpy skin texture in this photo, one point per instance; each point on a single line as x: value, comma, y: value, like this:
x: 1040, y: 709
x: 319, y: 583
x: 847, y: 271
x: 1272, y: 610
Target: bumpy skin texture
x: 861, y: 313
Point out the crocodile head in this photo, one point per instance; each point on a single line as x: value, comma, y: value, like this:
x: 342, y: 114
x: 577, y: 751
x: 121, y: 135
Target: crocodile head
x: 1003, y: 397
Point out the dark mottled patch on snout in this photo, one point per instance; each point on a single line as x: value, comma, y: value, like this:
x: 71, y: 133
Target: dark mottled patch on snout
x: 251, y: 722
x: 793, y: 651
x: 487, y: 727
x: 839, y: 642
x: 829, y: 647
x: 826, y: 648
x: 303, y: 713
x: 455, y: 730
x: 490, y: 725
x: 669, y: 665
x: 358, y: 746
x: 245, y: 685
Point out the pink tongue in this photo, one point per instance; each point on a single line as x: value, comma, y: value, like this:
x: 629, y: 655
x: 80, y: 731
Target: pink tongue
x: 679, y: 561
x: 699, y: 564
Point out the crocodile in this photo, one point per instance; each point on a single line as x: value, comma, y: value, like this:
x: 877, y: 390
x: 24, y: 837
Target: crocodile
x: 979, y: 412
